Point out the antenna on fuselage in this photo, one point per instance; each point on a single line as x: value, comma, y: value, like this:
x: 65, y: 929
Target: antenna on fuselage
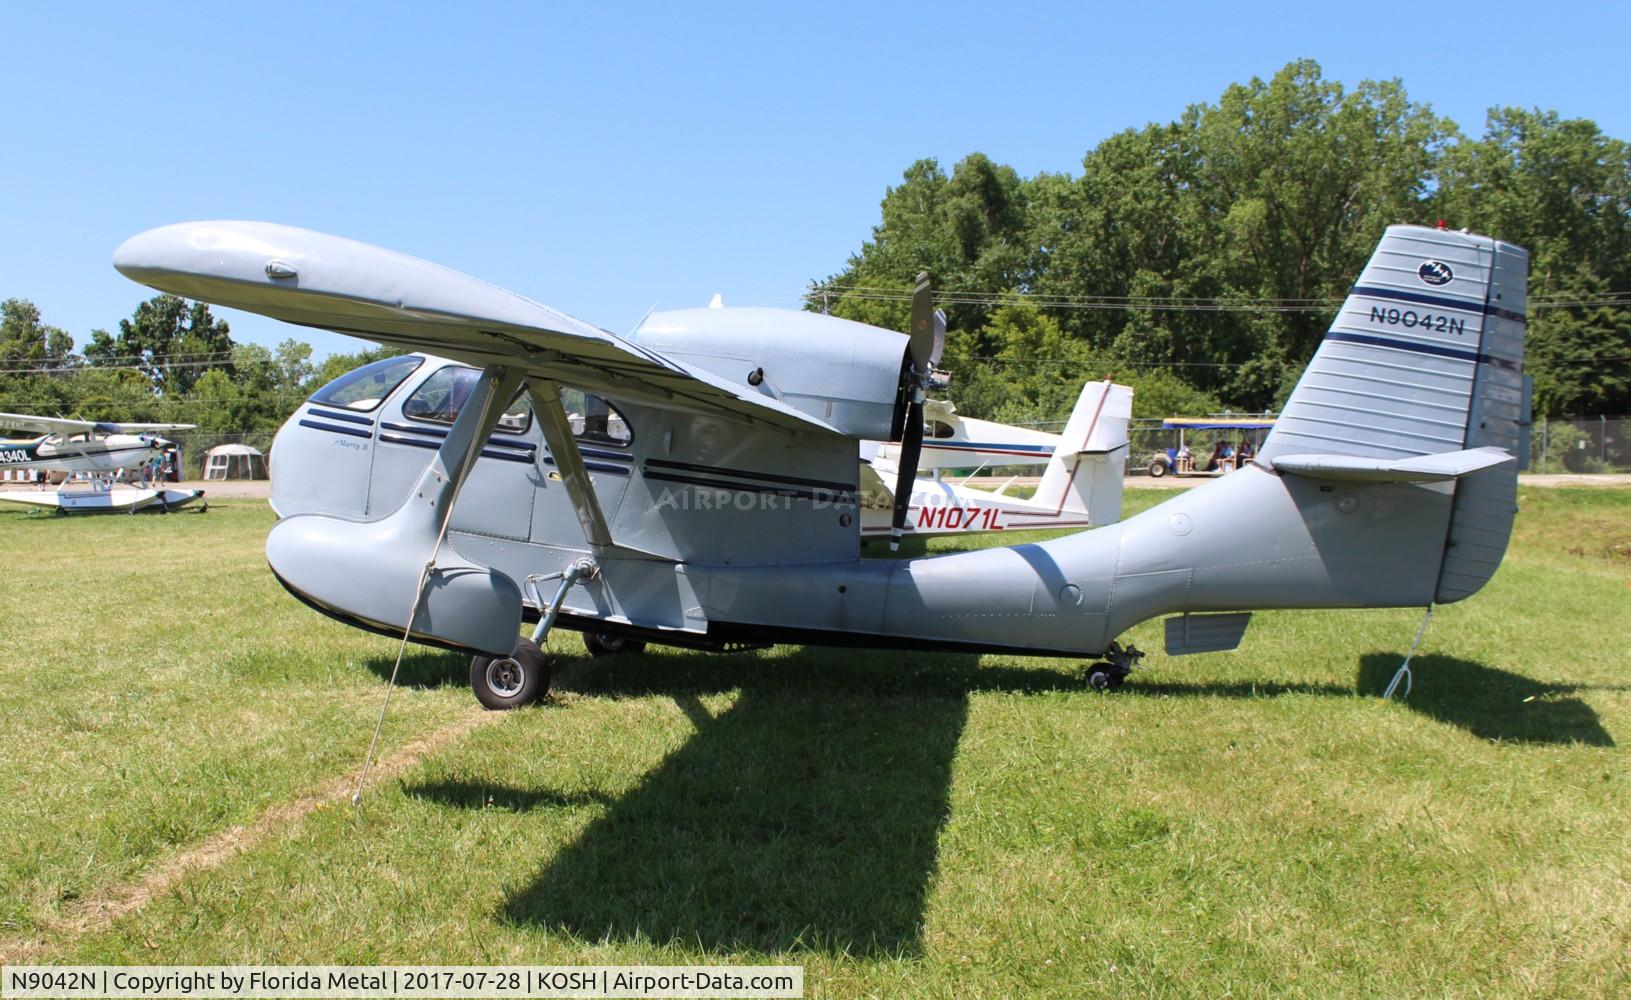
x: 647, y: 315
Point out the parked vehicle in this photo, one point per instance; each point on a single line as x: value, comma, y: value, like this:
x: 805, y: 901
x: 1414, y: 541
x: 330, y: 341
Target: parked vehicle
x: 1229, y: 451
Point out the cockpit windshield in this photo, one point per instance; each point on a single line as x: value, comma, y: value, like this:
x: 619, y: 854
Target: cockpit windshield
x: 364, y: 388
x: 441, y: 398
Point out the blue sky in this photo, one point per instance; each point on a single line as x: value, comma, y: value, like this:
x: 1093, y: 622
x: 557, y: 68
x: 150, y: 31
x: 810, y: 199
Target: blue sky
x: 606, y: 158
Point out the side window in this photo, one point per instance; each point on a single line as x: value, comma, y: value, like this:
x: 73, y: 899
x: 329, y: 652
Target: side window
x: 940, y: 429
x: 440, y: 398
x: 365, y: 388
x: 595, y: 421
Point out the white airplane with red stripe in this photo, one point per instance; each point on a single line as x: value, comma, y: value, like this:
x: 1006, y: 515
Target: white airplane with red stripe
x: 1081, y: 486
x: 953, y: 441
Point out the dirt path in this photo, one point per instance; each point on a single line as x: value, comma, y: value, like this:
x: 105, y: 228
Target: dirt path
x: 98, y: 911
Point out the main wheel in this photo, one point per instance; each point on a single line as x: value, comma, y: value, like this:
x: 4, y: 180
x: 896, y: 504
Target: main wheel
x: 1104, y: 677
x: 605, y: 644
x: 506, y: 682
x: 1158, y: 469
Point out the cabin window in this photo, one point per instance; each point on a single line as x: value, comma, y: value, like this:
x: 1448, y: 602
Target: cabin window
x: 595, y: 421
x: 365, y: 388
x: 440, y: 398
x: 942, y: 430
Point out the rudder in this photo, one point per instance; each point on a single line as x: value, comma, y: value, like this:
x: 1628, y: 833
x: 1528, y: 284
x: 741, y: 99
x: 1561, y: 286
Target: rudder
x: 1087, y: 468
x: 1426, y: 357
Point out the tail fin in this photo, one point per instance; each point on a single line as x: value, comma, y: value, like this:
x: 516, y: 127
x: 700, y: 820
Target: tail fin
x: 1425, y: 358
x: 1086, y: 471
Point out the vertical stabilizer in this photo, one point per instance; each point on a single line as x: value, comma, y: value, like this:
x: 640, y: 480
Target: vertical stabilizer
x: 1426, y: 357
x: 1085, y: 473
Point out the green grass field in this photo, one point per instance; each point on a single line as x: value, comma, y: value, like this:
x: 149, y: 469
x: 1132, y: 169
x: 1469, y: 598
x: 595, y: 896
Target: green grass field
x: 1256, y: 823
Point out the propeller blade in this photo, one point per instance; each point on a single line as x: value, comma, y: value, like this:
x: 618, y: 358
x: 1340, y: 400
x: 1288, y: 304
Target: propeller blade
x: 911, y: 446
x: 939, y: 337
x: 921, y: 346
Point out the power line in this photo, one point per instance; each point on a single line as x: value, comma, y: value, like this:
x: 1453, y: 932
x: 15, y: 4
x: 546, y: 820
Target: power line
x: 70, y: 369
x: 1155, y: 303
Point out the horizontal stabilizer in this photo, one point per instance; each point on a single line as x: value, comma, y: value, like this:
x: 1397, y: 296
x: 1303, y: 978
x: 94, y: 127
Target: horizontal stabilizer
x: 1188, y: 634
x: 1420, y: 469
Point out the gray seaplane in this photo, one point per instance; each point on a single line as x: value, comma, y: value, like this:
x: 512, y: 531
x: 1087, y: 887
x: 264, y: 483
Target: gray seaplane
x: 697, y: 484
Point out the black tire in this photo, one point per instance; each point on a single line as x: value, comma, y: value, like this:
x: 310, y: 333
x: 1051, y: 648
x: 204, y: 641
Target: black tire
x: 605, y: 644
x: 1104, y: 677
x: 1158, y: 469
x: 505, y: 682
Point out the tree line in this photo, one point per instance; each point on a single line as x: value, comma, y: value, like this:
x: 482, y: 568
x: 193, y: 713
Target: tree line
x: 1203, y: 259
x: 171, y: 362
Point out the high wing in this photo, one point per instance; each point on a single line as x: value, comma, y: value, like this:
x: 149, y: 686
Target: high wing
x: 64, y: 427
x: 314, y: 279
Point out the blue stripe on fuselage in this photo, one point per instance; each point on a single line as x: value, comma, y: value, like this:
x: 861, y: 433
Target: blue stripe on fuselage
x: 336, y: 429
x: 1443, y: 302
x: 1418, y: 347
x: 350, y: 418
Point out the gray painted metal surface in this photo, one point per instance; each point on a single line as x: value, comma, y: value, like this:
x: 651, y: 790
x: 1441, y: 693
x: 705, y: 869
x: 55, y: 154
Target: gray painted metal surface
x: 1187, y: 634
x: 731, y: 512
x: 843, y: 372
x: 374, y: 571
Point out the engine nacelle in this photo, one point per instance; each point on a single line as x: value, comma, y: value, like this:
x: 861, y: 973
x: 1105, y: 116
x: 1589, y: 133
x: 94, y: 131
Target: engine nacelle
x: 844, y: 373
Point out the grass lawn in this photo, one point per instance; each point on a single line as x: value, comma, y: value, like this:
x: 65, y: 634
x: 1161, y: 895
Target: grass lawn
x: 1251, y: 823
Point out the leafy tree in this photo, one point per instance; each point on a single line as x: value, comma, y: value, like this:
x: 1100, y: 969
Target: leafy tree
x: 966, y: 230
x: 1160, y: 254
x: 26, y: 342
x: 1278, y: 191
x: 1562, y: 189
x: 171, y: 340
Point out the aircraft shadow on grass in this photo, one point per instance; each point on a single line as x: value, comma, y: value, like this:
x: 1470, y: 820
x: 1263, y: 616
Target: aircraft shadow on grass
x: 806, y: 816
x: 1489, y: 702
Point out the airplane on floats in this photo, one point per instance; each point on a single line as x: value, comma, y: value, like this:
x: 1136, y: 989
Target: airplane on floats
x: 99, y: 448
x: 1388, y: 480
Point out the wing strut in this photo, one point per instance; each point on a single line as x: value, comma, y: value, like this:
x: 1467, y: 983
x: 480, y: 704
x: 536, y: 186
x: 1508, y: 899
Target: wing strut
x: 439, y: 486
x: 563, y: 447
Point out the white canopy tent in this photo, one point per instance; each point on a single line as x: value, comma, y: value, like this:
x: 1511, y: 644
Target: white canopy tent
x: 234, y: 461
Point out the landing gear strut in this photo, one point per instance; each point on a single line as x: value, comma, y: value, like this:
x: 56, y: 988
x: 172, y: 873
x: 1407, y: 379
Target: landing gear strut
x: 505, y: 682
x: 1118, y: 663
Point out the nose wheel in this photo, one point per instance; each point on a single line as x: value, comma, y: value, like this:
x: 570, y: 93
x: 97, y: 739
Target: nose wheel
x: 505, y: 682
